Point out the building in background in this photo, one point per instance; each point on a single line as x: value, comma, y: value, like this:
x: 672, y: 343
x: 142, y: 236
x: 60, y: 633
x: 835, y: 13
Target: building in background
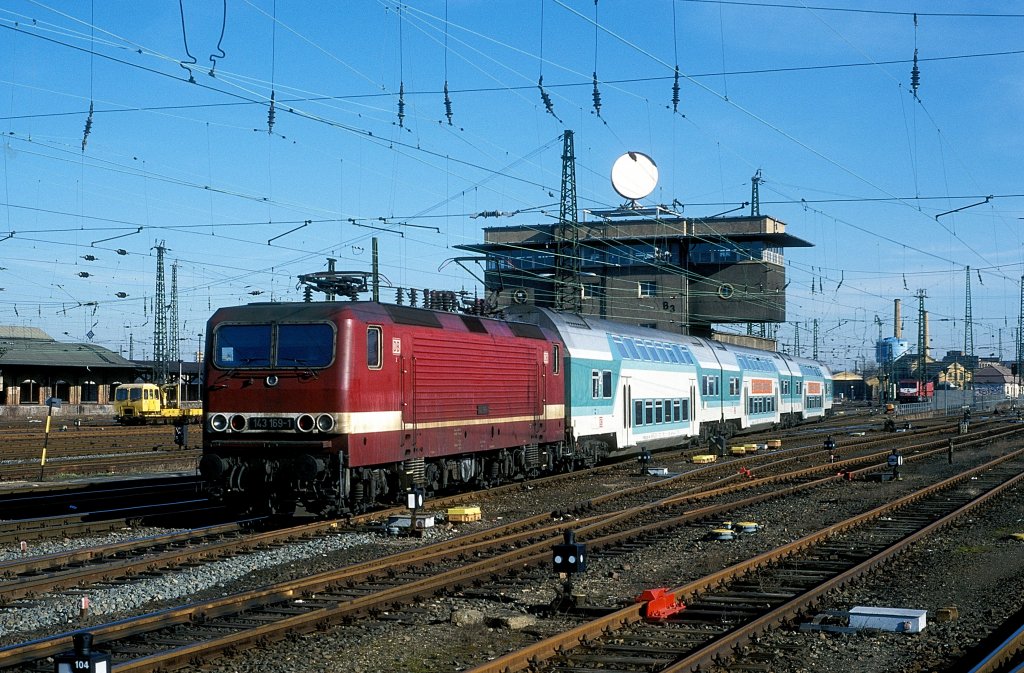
x: 650, y: 267
x: 35, y: 367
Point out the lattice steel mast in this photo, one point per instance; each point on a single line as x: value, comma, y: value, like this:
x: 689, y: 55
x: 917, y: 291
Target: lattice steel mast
x: 174, y: 350
x: 968, y: 320
x: 568, y: 287
x: 1020, y: 334
x: 160, y: 319
x: 755, y: 197
x: 922, y: 340
x: 815, y: 349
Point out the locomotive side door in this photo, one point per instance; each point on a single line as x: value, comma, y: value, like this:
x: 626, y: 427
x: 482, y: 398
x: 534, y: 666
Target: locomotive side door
x: 537, y: 395
x: 407, y: 400
x: 541, y: 397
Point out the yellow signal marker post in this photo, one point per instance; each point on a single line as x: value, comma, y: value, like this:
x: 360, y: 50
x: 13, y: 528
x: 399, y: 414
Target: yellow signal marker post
x: 51, y: 402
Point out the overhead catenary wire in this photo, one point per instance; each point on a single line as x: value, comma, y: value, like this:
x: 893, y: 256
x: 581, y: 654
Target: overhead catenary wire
x: 407, y: 92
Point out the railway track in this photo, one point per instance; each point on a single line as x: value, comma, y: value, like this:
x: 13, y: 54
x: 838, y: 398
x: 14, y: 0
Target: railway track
x: 360, y: 590
x: 726, y: 609
x: 23, y: 506
x: 56, y: 572
x: 24, y: 443
x: 1001, y: 652
x: 39, y: 575
x: 93, y: 450
x: 58, y: 467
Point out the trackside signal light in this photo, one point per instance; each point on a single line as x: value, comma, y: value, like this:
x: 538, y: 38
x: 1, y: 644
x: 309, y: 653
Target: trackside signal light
x: 570, y: 556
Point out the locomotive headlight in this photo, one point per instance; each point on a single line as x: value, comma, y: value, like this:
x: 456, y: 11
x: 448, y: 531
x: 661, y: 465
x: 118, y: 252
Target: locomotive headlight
x: 305, y: 423
x: 325, y: 422
x: 219, y: 422
x: 238, y: 422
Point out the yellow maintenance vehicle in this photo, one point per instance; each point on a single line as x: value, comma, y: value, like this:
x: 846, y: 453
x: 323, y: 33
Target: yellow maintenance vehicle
x: 141, y: 403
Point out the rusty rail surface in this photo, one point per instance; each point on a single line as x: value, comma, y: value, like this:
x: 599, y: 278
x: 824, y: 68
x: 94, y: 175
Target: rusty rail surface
x: 723, y: 645
x: 321, y: 591
x: 330, y: 597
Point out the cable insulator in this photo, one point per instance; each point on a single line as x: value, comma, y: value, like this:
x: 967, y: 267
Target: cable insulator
x: 401, y: 104
x: 597, y: 95
x: 447, y: 104
x: 88, y: 127
x: 546, y: 99
x: 271, y: 114
x: 915, y: 75
x: 675, y: 92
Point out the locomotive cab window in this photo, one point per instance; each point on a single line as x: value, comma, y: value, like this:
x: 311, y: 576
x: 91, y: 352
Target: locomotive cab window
x: 305, y: 345
x: 242, y: 346
x: 556, y: 360
x: 300, y: 345
x: 374, y: 338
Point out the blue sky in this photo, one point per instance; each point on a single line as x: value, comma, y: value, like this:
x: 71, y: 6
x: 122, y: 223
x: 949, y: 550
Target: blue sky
x: 818, y: 97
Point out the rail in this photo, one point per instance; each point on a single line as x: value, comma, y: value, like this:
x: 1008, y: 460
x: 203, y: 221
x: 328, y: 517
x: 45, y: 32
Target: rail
x: 341, y: 595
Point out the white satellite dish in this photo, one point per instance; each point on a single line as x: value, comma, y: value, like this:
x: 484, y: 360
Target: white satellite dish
x: 634, y: 175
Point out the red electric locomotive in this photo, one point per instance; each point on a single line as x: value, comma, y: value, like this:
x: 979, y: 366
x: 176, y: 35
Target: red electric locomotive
x: 338, y: 405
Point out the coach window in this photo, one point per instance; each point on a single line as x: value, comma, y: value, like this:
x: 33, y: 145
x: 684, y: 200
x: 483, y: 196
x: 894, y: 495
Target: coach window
x: 631, y: 347
x: 373, y: 347
x: 620, y: 347
x: 638, y: 412
x: 606, y: 384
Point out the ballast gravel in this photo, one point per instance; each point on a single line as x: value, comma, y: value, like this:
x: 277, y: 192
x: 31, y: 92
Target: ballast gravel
x: 65, y: 611
x: 433, y: 636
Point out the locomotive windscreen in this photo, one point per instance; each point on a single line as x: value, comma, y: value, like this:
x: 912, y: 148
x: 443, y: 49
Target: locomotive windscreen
x: 242, y: 345
x: 295, y: 345
x: 305, y: 345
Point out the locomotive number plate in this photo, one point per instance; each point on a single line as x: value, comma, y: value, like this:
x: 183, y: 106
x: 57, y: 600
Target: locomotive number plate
x: 271, y: 423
